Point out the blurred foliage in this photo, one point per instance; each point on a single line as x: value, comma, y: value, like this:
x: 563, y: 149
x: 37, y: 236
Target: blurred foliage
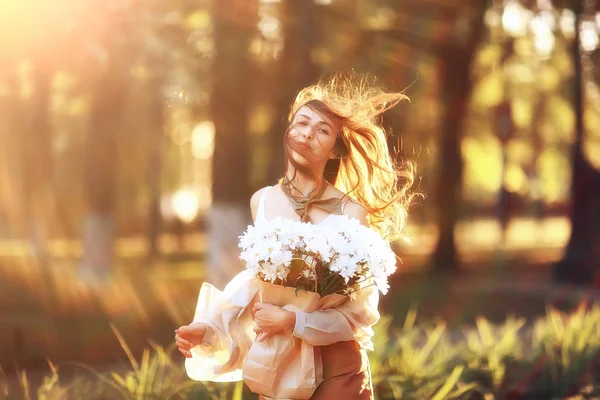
x: 167, y: 48
x: 556, y: 356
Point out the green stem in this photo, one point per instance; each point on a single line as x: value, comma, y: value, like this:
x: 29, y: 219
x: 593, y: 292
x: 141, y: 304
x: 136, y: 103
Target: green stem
x: 330, y: 282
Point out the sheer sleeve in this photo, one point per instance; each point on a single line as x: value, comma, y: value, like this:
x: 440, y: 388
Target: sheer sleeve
x: 229, y: 334
x: 352, y: 320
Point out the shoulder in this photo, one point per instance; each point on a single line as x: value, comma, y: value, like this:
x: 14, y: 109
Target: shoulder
x: 255, y: 200
x: 350, y: 207
x: 353, y: 209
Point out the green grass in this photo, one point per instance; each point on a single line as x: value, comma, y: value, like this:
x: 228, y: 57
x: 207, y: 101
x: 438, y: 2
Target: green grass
x: 555, y: 356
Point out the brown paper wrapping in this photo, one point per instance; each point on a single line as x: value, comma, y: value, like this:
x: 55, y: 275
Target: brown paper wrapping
x: 282, y: 366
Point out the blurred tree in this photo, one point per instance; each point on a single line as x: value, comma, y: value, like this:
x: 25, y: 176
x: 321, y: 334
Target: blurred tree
x: 37, y: 160
x: 296, y: 70
x: 109, y: 94
x: 163, y: 46
x: 30, y: 57
x: 235, y: 24
x: 581, y: 254
x: 456, y: 55
x: 156, y: 123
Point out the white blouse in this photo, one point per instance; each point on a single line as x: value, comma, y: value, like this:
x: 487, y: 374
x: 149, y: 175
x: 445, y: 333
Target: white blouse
x: 227, y: 313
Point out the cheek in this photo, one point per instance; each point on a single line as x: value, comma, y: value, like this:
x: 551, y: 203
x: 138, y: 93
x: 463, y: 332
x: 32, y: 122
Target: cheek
x: 328, y: 143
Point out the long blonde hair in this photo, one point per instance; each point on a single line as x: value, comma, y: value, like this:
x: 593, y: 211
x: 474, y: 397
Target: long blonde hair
x: 367, y: 173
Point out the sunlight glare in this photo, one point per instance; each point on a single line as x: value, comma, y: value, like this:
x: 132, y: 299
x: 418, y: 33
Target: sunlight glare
x: 203, y: 140
x: 515, y: 18
x: 185, y: 204
x: 589, y: 36
x: 567, y: 23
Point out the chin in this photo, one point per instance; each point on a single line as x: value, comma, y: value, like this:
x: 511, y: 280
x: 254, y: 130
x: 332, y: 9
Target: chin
x: 301, y: 160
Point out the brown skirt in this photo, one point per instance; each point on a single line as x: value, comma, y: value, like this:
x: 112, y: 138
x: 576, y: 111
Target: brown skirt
x: 346, y: 373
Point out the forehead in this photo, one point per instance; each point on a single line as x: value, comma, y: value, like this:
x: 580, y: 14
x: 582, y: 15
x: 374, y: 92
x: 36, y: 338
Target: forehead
x: 314, y: 115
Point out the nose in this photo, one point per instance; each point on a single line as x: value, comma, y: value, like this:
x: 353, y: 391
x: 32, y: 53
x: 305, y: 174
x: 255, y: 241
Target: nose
x: 307, y: 132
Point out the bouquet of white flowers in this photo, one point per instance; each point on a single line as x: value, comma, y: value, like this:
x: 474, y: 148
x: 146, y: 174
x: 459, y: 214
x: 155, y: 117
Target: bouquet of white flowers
x: 318, y: 258
x: 306, y: 267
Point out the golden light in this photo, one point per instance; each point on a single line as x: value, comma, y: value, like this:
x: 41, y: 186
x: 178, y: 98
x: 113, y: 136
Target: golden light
x: 515, y: 18
x: 383, y: 19
x: 555, y: 174
x: 204, y: 197
x: 548, y: 18
x: 269, y: 26
x: 543, y: 36
x: 203, y: 140
x: 185, y: 204
x: 566, y: 22
x: 515, y: 179
x: 483, y: 165
x: 492, y: 18
x: 522, y: 112
x: 589, y: 36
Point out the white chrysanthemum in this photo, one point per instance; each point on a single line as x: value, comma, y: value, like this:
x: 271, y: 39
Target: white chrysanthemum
x: 248, y: 238
x: 318, y: 244
x: 340, y: 242
x: 268, y: 247
x: 354, y: 251
x: 269, y: 271
x: 283, y: 257
x: 282, y: 271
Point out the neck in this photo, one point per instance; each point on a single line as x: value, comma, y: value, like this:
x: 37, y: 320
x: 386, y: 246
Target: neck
x: 302, y: 184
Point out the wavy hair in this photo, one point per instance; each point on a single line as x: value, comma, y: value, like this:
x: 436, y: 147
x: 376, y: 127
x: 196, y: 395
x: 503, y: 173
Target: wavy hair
x: 365, y: 170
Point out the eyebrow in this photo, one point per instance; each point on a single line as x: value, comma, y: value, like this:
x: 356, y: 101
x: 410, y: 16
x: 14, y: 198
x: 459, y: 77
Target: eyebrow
x: 320, y: 122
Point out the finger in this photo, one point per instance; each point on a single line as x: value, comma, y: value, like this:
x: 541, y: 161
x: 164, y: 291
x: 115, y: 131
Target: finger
x: 182, y: 346
x: 266, y: 335
x: 262, y: 336
x: 258, y: 329
x: 183, y: 342
x: 182, y: 330
x: 186, y: 353
x: 192, y: 329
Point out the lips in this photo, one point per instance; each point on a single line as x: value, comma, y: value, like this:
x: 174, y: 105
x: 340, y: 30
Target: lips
x: 303, y: 145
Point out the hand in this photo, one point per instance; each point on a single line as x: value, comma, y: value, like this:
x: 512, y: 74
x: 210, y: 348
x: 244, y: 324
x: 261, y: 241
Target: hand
x: 189, y: 336
x: 271, y: 320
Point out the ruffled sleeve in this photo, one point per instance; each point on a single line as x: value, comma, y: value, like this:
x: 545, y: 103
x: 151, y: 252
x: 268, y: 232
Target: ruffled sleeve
x: 352, y: 320
x: 229, y: 336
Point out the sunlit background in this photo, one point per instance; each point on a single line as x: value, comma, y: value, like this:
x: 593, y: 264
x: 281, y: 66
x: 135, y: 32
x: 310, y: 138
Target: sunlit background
x: 133, y: 132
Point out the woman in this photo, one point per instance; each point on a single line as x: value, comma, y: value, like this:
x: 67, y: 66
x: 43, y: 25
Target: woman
x: 337, y: 162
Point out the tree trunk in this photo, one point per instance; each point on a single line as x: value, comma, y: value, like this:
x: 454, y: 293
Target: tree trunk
x: 296, y: 70
x: 37, y: 164
x: 580, y: 258
x: 101, y: 168
x: 234, y: 27
x: 455, y: 78
x: 155, y: 157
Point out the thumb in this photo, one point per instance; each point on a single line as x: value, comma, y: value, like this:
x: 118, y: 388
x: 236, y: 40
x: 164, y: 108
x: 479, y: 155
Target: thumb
x: 192, y: 329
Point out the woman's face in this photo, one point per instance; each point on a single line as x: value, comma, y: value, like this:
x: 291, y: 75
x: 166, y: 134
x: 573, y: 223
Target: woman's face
x: 313, y: 137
